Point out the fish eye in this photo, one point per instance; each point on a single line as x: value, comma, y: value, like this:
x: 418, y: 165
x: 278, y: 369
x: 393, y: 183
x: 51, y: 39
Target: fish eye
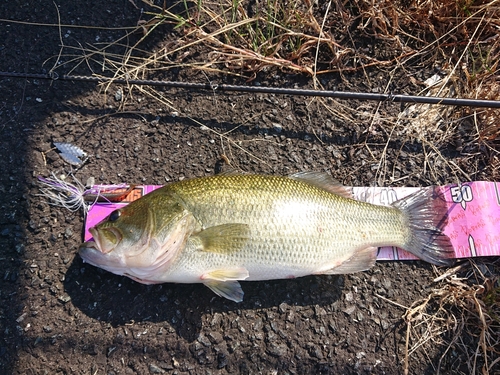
x: 114, y: 215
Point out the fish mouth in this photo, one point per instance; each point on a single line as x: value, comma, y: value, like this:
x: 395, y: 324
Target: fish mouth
x: 90, y: 253
x: 105, y: 239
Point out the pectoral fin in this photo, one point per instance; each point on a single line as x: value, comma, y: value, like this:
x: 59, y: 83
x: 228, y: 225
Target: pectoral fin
x: 362, y: 260
x: 223, y: 239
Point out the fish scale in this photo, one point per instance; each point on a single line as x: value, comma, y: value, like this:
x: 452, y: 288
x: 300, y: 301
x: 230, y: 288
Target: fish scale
x: 221, y: 229
x: 280, y: 234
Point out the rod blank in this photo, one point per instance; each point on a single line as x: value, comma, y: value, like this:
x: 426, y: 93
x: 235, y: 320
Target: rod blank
x: 269, y: 90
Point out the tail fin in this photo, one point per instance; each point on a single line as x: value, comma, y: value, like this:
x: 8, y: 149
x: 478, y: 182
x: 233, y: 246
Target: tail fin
x: 426, y: 216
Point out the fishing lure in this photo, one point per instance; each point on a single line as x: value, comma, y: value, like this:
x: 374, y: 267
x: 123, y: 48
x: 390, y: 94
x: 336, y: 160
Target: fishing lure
x: 75, y: 196
x: 72, y: 154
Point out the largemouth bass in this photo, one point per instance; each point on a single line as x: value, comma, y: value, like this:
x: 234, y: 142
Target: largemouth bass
x: 222, y: 229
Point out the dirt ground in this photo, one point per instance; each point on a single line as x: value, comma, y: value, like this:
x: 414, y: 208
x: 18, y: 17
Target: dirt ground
x: 60, y: 316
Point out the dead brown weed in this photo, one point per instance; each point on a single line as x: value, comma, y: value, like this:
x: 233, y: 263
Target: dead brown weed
x: 462, y: 315
x: 242, y: 38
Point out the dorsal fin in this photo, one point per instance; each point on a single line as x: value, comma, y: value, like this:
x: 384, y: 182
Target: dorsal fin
x: 323, y: 181
x: 231, y: 172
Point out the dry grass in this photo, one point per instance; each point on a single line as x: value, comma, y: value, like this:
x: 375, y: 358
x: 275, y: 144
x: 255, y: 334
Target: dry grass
x: 235, y: 38
x: 463, y: 316
x: 297, y: 36
x: 241, y: 39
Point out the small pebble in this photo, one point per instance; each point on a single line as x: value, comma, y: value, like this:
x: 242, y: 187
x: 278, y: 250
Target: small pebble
x: 349, y: 297
x: 119, y: 95
x: 90, y: 182
x: 350, y: 309
x: 155, y: 369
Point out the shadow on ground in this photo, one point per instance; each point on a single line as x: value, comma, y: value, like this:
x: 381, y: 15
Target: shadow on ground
x: 118, y: 300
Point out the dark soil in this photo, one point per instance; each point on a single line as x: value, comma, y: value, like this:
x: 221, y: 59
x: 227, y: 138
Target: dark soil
x: 60, y: 316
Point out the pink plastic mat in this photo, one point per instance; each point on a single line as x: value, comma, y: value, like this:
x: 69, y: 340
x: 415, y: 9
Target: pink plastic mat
x: 473, y: 211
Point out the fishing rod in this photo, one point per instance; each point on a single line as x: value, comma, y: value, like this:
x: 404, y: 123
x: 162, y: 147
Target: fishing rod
x: 268, y: 90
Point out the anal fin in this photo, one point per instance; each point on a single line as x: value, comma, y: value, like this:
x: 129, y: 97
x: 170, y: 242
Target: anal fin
x: 362, y: 260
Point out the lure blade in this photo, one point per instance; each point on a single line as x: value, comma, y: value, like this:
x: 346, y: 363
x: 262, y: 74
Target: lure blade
x: 70, y: 153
